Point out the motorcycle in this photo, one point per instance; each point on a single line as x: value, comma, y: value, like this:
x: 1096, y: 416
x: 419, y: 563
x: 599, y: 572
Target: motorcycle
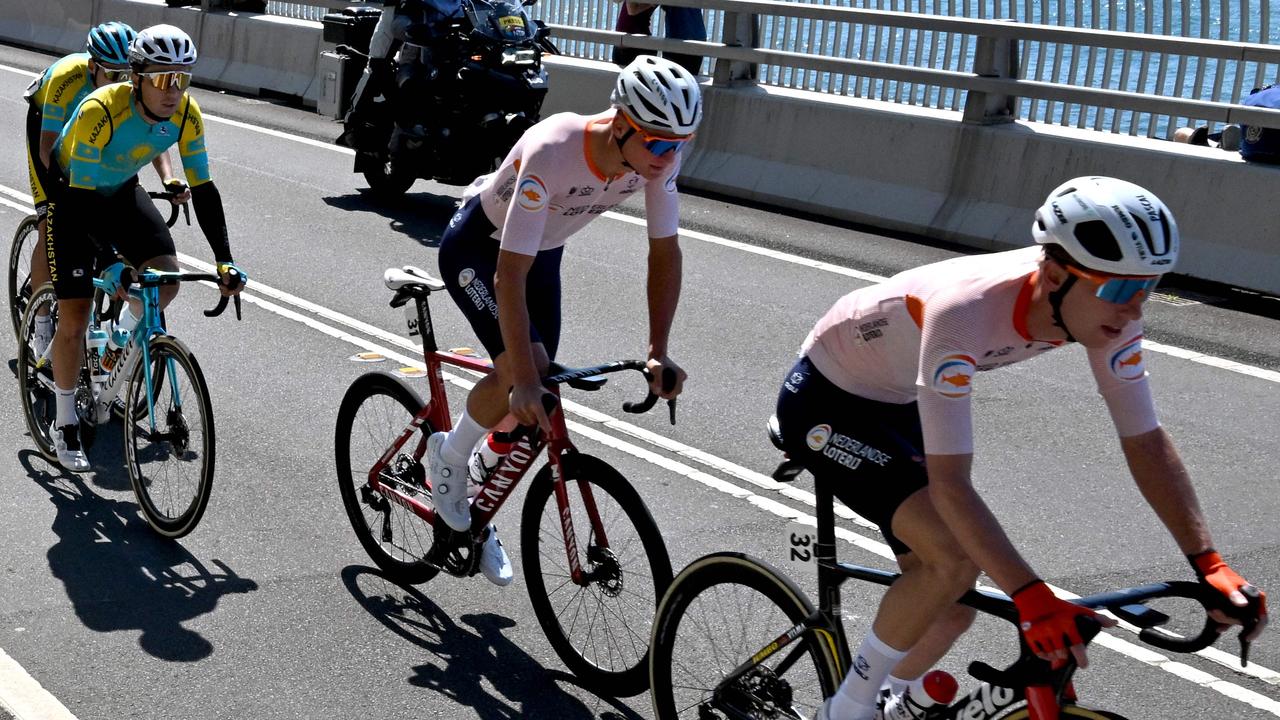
x: 462, y: 94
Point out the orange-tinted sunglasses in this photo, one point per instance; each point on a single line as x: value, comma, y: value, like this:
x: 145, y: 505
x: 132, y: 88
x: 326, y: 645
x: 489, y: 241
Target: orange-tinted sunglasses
x: 168, y: 78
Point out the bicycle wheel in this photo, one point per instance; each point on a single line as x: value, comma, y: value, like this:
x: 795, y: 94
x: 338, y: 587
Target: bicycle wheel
x: 35, y: 384
x: 170, y: 451
x: 375, y: 411
x: 20, y: 290
x: 720, y: 612
x: 599, y: 629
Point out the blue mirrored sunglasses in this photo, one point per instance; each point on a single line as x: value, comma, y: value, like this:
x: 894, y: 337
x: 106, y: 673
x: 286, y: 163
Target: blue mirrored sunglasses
x: 1122, y: 290
x: 662, y: 147
x: 1119, y: 290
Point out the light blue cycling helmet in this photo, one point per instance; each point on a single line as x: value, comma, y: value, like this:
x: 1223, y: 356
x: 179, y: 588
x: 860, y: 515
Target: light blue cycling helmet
x: 109, y: 43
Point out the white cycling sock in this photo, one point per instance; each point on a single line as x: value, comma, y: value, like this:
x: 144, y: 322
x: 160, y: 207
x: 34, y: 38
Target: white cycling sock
x: 462, y: 440
x: 897, y: 685
x: 44, y: 325
x: 858, y: 694
x: 66, y: 407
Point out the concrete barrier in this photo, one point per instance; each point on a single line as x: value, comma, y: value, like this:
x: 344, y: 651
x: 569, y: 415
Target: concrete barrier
x: 891, y: 166
x: 55, y: 25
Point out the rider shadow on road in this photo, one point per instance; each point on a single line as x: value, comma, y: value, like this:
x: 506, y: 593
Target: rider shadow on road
x: 468, y: 653
x: 423, y: 217
x: 119, y: 574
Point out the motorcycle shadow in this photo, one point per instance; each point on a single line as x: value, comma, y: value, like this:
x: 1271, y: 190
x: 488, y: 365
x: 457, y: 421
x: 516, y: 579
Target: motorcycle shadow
x: 422, y: 216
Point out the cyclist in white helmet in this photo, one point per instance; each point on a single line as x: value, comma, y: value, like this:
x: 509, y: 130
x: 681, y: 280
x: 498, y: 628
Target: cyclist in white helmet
x: 500, y: 255
x: 114, y: 132
x: 53, y: 98
x: 879, y: 407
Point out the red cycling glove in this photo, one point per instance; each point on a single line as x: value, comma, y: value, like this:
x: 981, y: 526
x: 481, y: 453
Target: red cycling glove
x: 1213, y: 571
x: 1048, y: 622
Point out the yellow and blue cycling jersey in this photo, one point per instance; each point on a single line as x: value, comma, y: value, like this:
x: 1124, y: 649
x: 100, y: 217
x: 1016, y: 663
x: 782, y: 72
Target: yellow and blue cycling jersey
x: 58, y: 92
x: 108, y: 141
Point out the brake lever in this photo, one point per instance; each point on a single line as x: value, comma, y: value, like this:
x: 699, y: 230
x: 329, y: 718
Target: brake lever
x: 1254, y: 596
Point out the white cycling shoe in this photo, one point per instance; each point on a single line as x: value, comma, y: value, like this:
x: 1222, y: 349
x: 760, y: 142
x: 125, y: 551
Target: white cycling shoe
x: 494, y: 562
x: 448, y: 486
x: 66, y: 443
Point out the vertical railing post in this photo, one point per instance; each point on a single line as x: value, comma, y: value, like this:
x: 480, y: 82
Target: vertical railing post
x: 998, y: 58
x: 738, y: 30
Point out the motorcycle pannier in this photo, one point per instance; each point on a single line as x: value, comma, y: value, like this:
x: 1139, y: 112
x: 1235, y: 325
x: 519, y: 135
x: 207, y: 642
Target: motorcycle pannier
x: 351, y: 26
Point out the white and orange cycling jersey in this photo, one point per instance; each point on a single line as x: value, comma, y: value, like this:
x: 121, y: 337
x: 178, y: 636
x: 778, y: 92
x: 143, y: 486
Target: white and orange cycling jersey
x: 923, y: 334
x: 549, y: 187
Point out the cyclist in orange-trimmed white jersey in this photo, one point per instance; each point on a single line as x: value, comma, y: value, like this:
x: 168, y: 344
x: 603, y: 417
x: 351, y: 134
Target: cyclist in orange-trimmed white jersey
x: 500, y: 256
x: 878, y: 406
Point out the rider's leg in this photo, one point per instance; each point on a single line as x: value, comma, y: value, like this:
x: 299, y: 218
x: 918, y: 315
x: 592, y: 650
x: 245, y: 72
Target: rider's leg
x: 949, y: 625
x: 147, y: 243
x: 926, y: 589
x: 39, y: 259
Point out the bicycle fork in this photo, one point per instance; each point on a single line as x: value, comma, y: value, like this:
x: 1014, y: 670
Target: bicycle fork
x: 600, y: 558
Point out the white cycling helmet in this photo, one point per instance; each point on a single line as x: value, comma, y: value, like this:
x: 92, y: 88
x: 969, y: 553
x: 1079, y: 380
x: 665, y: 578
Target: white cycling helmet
x: 1109, y: 225
x: 162, y: 45
x: 659, y: 95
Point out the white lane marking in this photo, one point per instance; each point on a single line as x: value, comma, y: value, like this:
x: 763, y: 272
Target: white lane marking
x: 24, y: 698
x: 1193, y: 356
x: 876, y: 547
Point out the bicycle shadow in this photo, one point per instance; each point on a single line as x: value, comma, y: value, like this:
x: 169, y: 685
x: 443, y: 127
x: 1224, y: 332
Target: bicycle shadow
x: 422, y: 216
x: 467, y: 655
x: 119, y: 575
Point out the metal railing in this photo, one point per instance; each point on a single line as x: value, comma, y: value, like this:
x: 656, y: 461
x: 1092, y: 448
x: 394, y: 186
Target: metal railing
x: 309, y: 10
x: 980, y: 57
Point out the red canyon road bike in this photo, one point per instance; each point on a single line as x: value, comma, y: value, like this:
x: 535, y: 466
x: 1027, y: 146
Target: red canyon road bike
x: 593, y: 558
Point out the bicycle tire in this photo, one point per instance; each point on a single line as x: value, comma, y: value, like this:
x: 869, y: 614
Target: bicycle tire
x: 394, y: 538
x: 171, y: 505
x: 20, y: 290
x: 616, y: 662
x: 715, y: 599
x: 39, y: 405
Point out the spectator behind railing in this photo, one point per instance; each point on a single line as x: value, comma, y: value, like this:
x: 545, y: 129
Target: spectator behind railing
x: 683, y: 23
x: 1262, y: 144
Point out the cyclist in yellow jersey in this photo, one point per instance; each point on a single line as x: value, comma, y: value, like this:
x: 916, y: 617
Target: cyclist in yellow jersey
x: 115, y: 132
x: 53, y: 97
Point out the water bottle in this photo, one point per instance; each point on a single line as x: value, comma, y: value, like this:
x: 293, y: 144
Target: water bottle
x: 935, y: 687
x: 96, y: 343
x: 485, y: 459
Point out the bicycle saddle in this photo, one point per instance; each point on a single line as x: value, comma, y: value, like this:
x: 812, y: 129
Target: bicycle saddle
x: 396, y: 279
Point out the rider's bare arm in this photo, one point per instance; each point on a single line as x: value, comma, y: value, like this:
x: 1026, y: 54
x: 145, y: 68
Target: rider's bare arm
x: 47, y: 141
x: 509, y: 282
x: 1166, y: 485
x: 665, y: 270
x: 971, y: 521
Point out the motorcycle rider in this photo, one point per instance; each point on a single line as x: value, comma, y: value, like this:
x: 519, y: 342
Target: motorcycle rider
x: 408, y: 26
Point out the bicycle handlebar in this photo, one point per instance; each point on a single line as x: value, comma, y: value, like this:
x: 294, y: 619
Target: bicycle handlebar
x: 173, y: 212
x: 668, y: 384
x: 1128, y: 605
x: 156, y: 278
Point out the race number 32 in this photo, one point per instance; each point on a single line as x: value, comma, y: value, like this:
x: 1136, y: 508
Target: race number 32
x: 799, y: 544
